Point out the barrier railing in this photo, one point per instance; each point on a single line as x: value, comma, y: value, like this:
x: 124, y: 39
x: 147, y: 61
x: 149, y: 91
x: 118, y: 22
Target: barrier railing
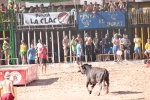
x: 17, y: 61
x: 139, y: 17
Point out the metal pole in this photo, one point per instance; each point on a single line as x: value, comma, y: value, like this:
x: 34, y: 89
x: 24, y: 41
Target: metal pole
x: 52, y: 39
x: 85, y: 47
x: 107, y: 31
x: 34, y: 39
x: 118, y: 31
x: 15, y: 44
x: 22, y: 35
x: 63, y: 34
x: 40, y: 35
x: 70, y: 46
x: 46, y: 39
x: 28, y: 39
x: 58, y: 46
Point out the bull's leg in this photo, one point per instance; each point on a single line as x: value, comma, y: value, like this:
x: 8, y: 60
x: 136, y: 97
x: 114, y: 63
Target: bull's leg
x: 107, y: 88
x: 100, y: 84
x: 87, y: 83
x: 92, y: 87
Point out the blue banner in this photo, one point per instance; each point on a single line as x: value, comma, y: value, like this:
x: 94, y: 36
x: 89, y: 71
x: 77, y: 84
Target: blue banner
x: 88, y: 20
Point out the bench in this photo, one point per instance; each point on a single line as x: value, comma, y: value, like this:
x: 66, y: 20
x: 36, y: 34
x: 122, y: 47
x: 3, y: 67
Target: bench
x: 100, y: 56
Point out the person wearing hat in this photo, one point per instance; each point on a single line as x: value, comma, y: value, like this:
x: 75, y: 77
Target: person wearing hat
x: 7, y: 52
x: 8, y: 88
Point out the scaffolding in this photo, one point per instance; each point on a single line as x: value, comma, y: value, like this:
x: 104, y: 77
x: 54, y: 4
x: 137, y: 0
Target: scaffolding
x: 7, y: 24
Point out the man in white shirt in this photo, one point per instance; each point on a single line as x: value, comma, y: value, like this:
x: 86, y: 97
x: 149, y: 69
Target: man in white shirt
x: 39, y: 45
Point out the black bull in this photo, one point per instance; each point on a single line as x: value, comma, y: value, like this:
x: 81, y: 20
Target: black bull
x: 95, y: 75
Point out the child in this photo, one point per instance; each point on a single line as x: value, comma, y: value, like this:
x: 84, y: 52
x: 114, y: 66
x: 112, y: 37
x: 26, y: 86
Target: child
x: 31, y: 55
x: 119, y: 54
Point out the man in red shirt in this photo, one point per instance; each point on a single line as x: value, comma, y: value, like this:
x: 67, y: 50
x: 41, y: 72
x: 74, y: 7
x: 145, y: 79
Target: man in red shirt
x: 43, y: 57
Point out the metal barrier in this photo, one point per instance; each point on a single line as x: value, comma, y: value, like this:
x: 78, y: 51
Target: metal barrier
x: 139, y: 17
x: 17, y: 61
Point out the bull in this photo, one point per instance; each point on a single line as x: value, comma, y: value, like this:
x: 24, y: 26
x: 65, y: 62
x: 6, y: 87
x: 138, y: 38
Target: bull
x: 96, y: 75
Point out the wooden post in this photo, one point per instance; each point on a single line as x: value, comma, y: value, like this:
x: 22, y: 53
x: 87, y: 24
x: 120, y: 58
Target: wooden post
x: 143, y: 40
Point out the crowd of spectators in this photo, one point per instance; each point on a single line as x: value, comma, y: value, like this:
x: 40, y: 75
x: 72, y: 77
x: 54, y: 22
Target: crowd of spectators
x: 94, y: 7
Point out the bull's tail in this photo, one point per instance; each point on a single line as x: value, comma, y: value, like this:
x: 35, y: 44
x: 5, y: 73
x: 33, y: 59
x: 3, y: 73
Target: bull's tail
x: 106, y: 77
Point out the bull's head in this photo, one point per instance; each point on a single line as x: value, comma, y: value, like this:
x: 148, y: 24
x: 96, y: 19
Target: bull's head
x: 85, y: 68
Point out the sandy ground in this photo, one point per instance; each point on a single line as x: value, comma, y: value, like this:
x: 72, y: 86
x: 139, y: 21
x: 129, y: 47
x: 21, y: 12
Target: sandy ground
x: 127, y: 82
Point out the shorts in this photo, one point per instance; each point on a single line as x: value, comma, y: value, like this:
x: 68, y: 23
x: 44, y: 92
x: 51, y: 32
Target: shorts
x: 97, y: 51
x: 89, y: 49
x: 8, y: 96
x: 125, y: 47
x: 79, y: 58
x: 43, y: 60
x: 115, y: 49
x: 147, y: 51
x: 137, y: 49
x: 31, y: 62
x: 106, y: 50
x: 74, y: 52
x: 23, y: 53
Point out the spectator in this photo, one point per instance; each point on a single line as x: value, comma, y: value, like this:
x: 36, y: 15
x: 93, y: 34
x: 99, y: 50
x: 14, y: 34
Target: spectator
x: 88, y: 43
x: 121, y: 5
x: 37, y: 7
x: 8, y: 88
x: 147, y: 48
x: 80, y: 54
x: 137, y: 46
x: 90, y: 7
x: 125, y: 42
x: 49, y: 9
x: 53, y: 8
x: 66, y: 44
x: 73, y: 44
x: 116, y: 44
x: 23, y: 9
x: 23, y: 52
x: 85, y: 6
x: 16, y: 8
x: 60, y: 8
x: 3, y: 8
x: 79, y: 38
x: 96, y: 42
x: 39, y: 45
x: 7, y: 52
x: 64, y: 9
x: 42, y: 9
x: 31, y: 10
x: 106, y: 47
x: 36, y: 11
x: 1, y: 54
x: 31, y: 54
x: 43, y: 58
x: 10, y: 5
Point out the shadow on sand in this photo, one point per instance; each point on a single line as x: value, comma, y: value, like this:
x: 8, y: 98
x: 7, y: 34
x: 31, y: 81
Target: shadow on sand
x: 42, y: 82
x: 126, y: 92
